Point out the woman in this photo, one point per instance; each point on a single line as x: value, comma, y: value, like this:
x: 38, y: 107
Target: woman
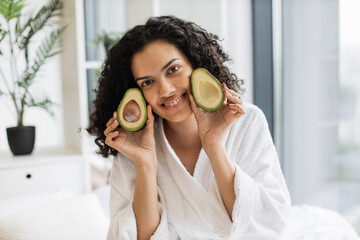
x: 188, y: 174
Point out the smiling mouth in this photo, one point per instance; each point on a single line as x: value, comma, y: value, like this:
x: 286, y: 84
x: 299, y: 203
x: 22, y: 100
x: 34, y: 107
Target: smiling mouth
x: 173, y: 103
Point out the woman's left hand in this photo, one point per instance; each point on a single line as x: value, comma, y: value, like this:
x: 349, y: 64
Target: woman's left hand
x: 213, y: 126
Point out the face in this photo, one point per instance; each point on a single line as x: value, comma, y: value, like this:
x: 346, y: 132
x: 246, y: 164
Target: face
x: 163, y: 73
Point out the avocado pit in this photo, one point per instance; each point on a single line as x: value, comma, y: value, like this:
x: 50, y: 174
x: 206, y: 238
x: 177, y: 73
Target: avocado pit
x: 132, y: 111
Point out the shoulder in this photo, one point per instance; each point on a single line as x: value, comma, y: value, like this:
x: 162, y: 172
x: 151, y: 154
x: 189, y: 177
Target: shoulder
x: 158, y: 129
x: 158, y: 123
x: 251, y: 129
x: 249, y: 136
x: 253, y: 117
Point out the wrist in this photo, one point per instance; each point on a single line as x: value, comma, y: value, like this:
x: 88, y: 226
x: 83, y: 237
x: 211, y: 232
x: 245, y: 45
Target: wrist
x: 214, y: 148
x: 146, y: 165
x: 217, y: 154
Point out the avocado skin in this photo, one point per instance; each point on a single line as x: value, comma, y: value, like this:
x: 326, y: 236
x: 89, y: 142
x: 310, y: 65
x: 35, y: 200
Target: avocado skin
x: 193, y: 82
x: 118, y: 112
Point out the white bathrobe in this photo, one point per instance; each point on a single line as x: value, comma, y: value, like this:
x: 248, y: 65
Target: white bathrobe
x: 191, y: 206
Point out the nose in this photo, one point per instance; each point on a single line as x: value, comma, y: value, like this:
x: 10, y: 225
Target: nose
x: 166, y: 88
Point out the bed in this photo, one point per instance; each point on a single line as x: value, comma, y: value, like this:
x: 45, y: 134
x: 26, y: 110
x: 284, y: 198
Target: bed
x: 63, y: 215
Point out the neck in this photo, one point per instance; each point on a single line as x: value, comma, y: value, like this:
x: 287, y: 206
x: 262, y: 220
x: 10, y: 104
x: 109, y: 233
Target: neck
x: 184, y: 133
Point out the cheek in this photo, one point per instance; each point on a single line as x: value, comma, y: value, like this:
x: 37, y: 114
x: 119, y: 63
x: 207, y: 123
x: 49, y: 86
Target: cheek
x: 150, y: 98
x: 188, y: 74
x: 185, y: 79
x: 147, y: 97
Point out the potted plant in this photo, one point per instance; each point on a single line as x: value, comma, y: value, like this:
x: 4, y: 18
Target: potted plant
x: 25, y: 56
x: 107, y: 40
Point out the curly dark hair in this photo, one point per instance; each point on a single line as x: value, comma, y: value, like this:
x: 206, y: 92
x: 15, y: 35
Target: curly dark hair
x: 200, y: 47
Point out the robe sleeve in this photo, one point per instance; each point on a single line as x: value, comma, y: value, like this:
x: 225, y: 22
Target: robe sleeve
x: 262, y: 198
x: 122, y: 216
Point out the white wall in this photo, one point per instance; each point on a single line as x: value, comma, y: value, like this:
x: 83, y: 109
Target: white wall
x: 240, y: 42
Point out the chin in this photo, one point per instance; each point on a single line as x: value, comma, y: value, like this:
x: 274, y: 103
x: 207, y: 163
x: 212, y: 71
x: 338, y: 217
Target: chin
x: 178, y: 117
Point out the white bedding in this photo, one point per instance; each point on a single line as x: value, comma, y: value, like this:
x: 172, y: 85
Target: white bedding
x: 18, y: 204
x: 308, y: 222
x: 75, y: 218
x: 65, y: 216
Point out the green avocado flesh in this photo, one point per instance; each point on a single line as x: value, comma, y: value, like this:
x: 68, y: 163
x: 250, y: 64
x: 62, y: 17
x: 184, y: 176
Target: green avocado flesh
x: 132, y: 112
x: 207, y: 90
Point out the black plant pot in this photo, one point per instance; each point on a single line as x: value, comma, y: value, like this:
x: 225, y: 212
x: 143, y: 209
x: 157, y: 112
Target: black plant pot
x: 21, y: 139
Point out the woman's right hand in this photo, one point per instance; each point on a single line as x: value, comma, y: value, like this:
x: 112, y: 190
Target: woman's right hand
x: 138, y: 146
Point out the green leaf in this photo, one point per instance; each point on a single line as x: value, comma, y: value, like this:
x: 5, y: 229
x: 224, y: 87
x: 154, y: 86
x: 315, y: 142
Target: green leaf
x: 46, y: 50
x: 44, y: 103
x: 3, y: 34
x: 11, y: 9
x: 34, y: 24
x: 107, y: 39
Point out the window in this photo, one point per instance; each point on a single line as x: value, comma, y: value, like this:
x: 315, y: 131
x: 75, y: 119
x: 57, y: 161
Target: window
x: 321, y: 102
x: 104, y: 21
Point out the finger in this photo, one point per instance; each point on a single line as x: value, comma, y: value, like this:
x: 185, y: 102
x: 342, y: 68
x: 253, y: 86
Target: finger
x: 239, y: 114
x: 150, y: 113
x: 231, y: 94
x: 111, y: 120
x: 236, y: 108
x: 232, y: 98
x: 194, y: 107
x: 150, y: 119
x: 232, y: 113
x: 192, y: 102
x: 111, y: 127
x: 110, y: 137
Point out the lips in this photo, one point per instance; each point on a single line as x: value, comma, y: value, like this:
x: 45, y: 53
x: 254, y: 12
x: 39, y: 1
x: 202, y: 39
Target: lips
x: 173, y: 104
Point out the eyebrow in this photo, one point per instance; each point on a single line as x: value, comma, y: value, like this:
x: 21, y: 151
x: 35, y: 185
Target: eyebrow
x: 161, y: 70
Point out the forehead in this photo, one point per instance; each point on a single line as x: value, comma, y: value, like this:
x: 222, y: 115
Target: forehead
x: 154, y: 56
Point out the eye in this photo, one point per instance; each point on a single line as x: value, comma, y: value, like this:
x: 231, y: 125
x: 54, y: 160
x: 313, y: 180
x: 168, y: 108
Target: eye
x: 146, y: 83
x: 173, y: 69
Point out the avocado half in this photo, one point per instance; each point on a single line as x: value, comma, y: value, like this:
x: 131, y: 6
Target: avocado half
x: 132, y: 112
x: 207, y: 90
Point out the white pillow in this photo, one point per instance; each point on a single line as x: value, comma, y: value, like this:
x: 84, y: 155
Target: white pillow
x: 20, y: 203
x: 308, y: 222
x: 78, y: 218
